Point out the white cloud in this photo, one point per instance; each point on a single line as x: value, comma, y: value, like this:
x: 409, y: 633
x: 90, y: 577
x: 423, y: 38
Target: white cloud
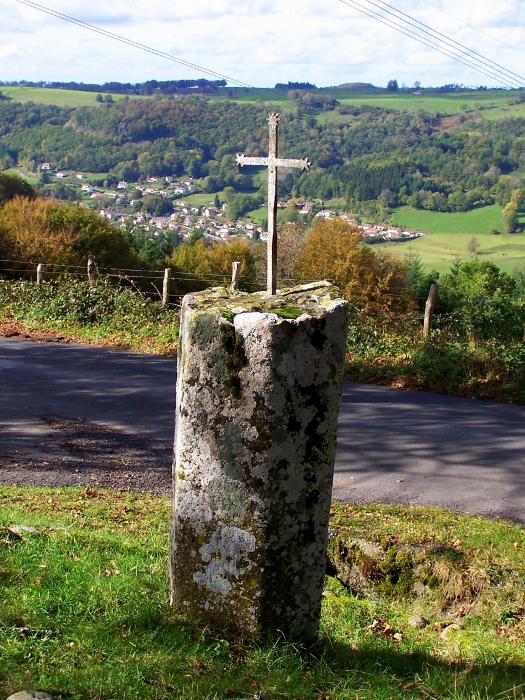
x: 259, y: 42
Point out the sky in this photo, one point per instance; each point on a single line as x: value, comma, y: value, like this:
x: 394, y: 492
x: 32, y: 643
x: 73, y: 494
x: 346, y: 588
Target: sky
x: 258, y: 42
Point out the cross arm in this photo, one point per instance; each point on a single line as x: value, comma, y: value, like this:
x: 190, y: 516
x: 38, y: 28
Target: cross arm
x: 246, y: 160
x: 302, y: 163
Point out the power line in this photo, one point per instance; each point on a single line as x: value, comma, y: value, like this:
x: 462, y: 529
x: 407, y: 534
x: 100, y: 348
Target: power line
x: 427, y: 41
x: 142, y: 47
x: 454, y: 44
x: 477, y: 29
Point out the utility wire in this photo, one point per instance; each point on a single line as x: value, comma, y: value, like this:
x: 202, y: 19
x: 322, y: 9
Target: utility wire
x: 451, y: 42
x: 477, y: 29
x: 143, y: 47
x: 426, y: 41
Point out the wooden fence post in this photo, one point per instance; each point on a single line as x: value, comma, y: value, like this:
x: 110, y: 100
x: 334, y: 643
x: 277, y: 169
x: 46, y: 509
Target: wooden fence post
x: 166, y: 287
x: 429, y: 309
x: 39, y: 273
x: 236, y: 269
x: 91, y: 268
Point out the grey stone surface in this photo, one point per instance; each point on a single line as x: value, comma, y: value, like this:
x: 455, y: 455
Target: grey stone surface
x: 30, y: 695
x: 417, y: 622
x: 258, y: 394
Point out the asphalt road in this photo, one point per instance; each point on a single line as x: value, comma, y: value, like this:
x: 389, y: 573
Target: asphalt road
x: 393, y: 446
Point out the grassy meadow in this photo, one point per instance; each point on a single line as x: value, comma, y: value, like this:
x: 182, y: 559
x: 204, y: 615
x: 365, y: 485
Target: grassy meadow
x: 449, y: 234
x: 52, y: 96
x: 85, y: 612
x: 494, y: 104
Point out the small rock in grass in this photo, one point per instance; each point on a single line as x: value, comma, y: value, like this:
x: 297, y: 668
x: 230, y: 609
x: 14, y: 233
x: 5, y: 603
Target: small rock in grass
x: 23, y: 530
x: 30, y: 695
x: 448, y: 631
x: 417, y: 622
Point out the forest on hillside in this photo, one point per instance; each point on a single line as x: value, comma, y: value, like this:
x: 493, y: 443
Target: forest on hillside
x: 376, y: 158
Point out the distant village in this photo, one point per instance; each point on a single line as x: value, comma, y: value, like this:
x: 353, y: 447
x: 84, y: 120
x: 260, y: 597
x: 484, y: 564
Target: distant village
x: 188, y: 217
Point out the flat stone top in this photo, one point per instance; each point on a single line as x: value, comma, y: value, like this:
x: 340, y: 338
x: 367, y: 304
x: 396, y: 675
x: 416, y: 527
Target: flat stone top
x: 313, y: 299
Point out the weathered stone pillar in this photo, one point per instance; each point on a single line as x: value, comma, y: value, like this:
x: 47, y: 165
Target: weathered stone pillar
x: 258, y: 395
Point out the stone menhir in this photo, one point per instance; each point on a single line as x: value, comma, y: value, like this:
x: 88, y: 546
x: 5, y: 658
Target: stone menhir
x: 258, y: 396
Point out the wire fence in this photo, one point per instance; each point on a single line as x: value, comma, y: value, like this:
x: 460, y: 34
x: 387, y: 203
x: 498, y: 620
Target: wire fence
x: 40, y: 272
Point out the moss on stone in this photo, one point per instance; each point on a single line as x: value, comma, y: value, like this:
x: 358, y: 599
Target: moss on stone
x: 233, y: 344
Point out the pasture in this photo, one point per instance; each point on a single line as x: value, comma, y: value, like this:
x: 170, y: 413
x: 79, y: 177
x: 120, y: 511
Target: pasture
x: 448, y: 236
x: 51, y: 96
x: 494, y: 104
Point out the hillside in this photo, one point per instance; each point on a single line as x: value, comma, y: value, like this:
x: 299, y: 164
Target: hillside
x: 368, y: 159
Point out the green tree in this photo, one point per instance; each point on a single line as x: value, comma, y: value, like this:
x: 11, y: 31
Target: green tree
x: 12, y: 186
x: 99, y: 98
x: 510, y: 217
x: 473, y: 245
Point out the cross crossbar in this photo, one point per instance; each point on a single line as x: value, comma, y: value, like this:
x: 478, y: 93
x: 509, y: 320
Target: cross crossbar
x: 272, y: 162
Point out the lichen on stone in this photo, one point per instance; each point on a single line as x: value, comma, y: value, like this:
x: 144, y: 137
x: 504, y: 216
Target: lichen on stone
x: 258, y: 392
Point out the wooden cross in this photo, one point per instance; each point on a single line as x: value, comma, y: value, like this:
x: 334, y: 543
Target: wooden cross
x: 273, y: 162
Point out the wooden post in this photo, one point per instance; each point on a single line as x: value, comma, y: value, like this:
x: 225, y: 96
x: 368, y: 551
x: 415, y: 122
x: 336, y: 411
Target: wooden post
x: 429, y: 309
x: 166, y: 286
x: 39, y: 273
x: 236, y: 269
x: 91, y: 268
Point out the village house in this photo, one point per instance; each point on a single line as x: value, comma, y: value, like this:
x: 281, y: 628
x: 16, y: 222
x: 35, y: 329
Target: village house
x: 86, y: 187
x: 45, y: 166
x: 122, y: 185
x: 80, y: 176
x: 61, y: 175
x: 325, y: 214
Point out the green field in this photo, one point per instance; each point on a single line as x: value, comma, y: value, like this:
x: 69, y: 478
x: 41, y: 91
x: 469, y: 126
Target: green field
x: 24, y: 174
x: 448, y: 236
x: 493, y: 103
x: 51, y: 96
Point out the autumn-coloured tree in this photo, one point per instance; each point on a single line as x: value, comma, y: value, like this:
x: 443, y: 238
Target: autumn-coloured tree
x: 213, y: 263
x: 370, y: 281
x: 49, y: 232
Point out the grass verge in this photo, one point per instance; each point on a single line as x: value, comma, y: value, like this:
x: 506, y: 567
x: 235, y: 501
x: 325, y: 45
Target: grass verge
x: 85, y: 612
x: 444, y: 363
x: 99, y: 314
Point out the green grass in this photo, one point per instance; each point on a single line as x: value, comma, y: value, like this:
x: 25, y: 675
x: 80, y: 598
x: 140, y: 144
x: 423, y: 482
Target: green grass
x: 85, y: 612
x: 23, y: 173
x: 449, y: 234
x: 494, y: 103
x: 52, y: 96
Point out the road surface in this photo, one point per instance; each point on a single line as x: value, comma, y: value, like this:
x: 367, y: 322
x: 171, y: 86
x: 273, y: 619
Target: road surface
x: 68, y: 410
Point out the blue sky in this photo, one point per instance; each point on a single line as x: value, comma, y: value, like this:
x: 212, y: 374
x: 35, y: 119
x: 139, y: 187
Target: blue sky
x: 259, y: 42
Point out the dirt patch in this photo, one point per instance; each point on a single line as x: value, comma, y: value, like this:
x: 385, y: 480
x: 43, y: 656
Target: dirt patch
x: 74, y: 452
x: 12, y: 328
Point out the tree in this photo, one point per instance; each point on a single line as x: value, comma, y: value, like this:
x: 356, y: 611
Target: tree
x: 510, y: 217
x: 371, y: 281
x: 108, y: 98
x: 473, y: 245
x: 99, y: 98
x: 217, y: 202
x: 12, y: 186
x: 392, y: 86
x: 54, y: 233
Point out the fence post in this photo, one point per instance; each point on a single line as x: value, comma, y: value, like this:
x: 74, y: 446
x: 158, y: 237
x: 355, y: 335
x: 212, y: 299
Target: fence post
x: 166, y: 287
x: 91, y: 268
x: 39, y: 273
x: 429, y: 310
x: 236, y: 268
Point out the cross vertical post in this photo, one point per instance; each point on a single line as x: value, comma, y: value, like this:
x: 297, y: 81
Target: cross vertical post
x: 272, y: 163
x: 271, y: 272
